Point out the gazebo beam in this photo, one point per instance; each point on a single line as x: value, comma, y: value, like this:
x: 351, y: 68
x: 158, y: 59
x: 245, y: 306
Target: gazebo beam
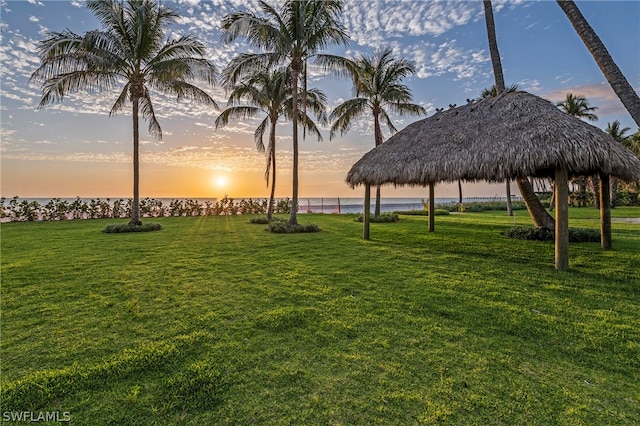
x: 367, y: 211
x: 562, y: 219
x: 605, y: 212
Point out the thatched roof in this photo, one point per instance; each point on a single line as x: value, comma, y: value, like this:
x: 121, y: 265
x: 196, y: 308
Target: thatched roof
x: 516, y: 134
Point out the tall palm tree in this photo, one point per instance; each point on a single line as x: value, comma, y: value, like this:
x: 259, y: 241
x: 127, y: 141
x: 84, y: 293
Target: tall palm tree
x: 610, y: 70
x: 539, y: 215
x: 131, y: 51
x: 618, y: 134
x: 290, y: 36
x: 378, y: 91
x: 487, y: 93
x: 578, y: 106
x: 270, y: 93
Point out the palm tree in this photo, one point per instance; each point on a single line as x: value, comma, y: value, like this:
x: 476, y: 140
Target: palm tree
x: 618, y: 134
x: 269, y: 93
x: 378, y: 91
x: 130, y: 50
x: 578, y: 106
x: 290, y: 36
x: 611, y: 72
x: 488, y: 93
x: 539, y: 215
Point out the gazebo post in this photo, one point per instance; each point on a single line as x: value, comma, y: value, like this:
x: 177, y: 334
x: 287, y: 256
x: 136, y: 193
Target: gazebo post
x: 562, y: 219
x: 605, y: 212
x: 367, y: 211
x: 432, y: 205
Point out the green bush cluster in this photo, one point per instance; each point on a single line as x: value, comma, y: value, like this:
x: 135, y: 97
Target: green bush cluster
x: 383, y: 218
x: 127, y: 227
x: 576, y: 235
x: 18, y: 210
x: 278, y: 226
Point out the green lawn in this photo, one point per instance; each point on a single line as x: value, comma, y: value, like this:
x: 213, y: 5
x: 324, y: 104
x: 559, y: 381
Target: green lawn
x: 215, y: 321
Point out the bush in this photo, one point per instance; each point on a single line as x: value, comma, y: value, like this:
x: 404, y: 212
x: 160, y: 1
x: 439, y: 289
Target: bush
x: 576, y: 235
x: 121, y: 228
x: 383, y: 218
x: 278, y: 226
x: 259, y: 220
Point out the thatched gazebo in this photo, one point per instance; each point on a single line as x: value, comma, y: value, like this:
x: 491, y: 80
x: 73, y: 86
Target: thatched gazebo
x: 513, y: 135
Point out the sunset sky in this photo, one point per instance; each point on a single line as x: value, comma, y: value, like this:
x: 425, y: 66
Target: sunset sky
x: 76, y: 149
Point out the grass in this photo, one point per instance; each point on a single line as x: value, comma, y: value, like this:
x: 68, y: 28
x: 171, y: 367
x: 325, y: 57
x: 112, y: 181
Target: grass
x: 215, y: 321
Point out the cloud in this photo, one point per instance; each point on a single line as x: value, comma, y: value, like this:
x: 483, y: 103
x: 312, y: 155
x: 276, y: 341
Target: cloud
x: 599, y: 95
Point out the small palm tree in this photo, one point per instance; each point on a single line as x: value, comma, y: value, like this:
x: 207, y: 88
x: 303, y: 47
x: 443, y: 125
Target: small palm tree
x: 618, y: 134
x: 578, y: 106
x: 290, y: 36
x: 130, y: 51
x: 269, y: 93
x: 378, y: 91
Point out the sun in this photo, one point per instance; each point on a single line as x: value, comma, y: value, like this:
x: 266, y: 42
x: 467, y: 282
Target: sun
x: 219, y: 181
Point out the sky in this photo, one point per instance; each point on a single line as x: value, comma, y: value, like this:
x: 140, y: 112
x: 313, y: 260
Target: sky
x: 75, y: 149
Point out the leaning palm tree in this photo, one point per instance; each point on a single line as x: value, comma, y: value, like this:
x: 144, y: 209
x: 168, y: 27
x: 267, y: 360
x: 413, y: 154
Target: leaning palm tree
x: 618, y: 134
x: 539, y: 215
x: 579, y: 107
x: 610, y: 70
x: 131, y: 51
x: 269, y: 93
x: 488, y: 93
x: 291, y: 36
x: 378, y: 91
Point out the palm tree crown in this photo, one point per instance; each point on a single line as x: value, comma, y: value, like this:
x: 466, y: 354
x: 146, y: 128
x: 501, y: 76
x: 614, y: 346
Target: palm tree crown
x: 378, y: 90
x: 578, y: 106
x: 131, y: 50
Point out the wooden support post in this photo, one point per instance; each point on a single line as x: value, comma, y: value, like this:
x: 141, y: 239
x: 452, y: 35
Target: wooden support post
x: 605, y: 212
x: 367, y: 211
x: 432, y: 207
x: 562, y: 219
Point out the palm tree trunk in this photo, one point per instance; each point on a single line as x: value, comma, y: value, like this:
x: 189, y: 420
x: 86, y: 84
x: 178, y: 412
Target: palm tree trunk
x: 595, y: 184
x: 459, y: 191
x: 135, y: 208
x: 493, y: 47
x: 614, y: 191
x: 293, y: 217
x: 539, y: 215
x: 272, y: 152
x: 612, y: 73
x: 378, y: 137
x: 605, y: 213
x: 509, y: 206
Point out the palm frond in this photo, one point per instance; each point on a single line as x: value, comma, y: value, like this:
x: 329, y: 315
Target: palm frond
x: 146, y: 108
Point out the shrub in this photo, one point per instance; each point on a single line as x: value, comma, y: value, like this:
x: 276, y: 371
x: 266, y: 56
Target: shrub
x: 121, y: 228
x: 383, y: 218
x: 282, y: 227
x: 259, y: 220
x: 576, y: 235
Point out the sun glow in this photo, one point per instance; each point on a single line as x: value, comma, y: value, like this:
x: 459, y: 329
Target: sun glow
x: 220, y: 181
